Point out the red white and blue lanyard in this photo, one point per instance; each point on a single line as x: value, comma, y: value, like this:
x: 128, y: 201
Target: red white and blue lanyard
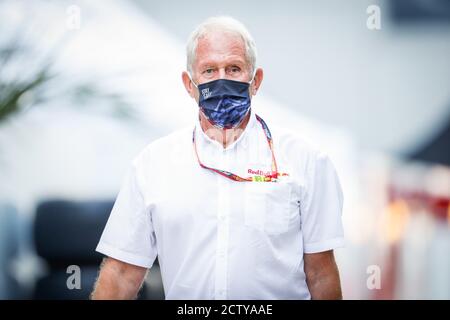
x: 272, y: 177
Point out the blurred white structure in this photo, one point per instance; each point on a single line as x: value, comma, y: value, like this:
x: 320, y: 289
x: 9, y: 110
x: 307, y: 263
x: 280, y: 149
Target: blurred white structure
x: 62, y: 151
x: 388, y: 87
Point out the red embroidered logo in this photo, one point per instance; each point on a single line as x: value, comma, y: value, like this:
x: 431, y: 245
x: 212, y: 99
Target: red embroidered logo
x: 269, y: 176
x: 259, y: 172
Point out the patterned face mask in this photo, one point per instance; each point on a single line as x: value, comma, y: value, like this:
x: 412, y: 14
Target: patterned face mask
x: 224, y: 102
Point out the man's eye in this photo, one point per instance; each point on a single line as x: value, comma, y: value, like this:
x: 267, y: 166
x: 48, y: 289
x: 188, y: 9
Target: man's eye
x: 235, y: 69
x: 208, y: 71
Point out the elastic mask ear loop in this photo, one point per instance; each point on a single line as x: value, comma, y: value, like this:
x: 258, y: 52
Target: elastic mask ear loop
x: 190, y: 77
x: 253, y: 77
x: 251, y: 81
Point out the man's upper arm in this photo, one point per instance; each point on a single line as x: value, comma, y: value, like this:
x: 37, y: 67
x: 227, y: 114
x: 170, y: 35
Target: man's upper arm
x: 128, y: 235
x: 321, y: 209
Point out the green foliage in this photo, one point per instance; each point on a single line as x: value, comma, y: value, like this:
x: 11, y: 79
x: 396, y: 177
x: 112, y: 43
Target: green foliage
x: 25, y: 83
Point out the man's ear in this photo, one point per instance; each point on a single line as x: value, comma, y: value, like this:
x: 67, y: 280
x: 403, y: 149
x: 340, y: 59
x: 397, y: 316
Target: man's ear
x: 256, y: 83
x: 190, y: 88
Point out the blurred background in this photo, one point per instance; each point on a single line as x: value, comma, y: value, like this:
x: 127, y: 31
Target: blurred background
x: 84, y: 87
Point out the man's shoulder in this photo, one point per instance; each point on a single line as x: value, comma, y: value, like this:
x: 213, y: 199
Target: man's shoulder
x: 300, y: 150
x: 161, y: 147
x: 290, y: 140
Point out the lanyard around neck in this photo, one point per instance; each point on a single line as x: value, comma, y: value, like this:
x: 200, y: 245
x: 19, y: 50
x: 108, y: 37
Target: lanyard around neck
x: 265, y: 178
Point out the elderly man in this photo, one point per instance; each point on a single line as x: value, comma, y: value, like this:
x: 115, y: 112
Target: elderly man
x: 233, y: 207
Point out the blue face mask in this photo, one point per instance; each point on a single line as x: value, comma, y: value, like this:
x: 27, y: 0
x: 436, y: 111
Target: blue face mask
x: 224, y: 102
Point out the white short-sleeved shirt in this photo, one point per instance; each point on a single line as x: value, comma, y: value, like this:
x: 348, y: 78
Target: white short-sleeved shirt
x: 216, y: 238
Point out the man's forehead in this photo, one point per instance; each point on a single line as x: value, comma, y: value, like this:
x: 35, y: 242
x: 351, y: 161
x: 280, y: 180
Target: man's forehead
x: 221, y: 35
x: 218, y: 46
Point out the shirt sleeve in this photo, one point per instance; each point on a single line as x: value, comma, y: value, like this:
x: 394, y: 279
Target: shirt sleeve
x: 128, y: 235
x: 321, y: 210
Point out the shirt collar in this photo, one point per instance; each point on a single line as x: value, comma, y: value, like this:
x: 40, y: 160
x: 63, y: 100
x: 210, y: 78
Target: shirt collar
x: 206, y: 140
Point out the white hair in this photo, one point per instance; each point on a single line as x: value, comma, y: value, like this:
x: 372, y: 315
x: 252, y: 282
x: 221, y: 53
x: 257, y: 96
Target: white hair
x: 224, y: 24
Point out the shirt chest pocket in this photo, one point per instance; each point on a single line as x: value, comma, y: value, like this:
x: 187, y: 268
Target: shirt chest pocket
x: 268, y: 206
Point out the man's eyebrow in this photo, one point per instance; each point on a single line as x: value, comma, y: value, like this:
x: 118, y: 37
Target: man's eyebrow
x: 207, y: 65
x: 237, y: 62
x: 215, y: 63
